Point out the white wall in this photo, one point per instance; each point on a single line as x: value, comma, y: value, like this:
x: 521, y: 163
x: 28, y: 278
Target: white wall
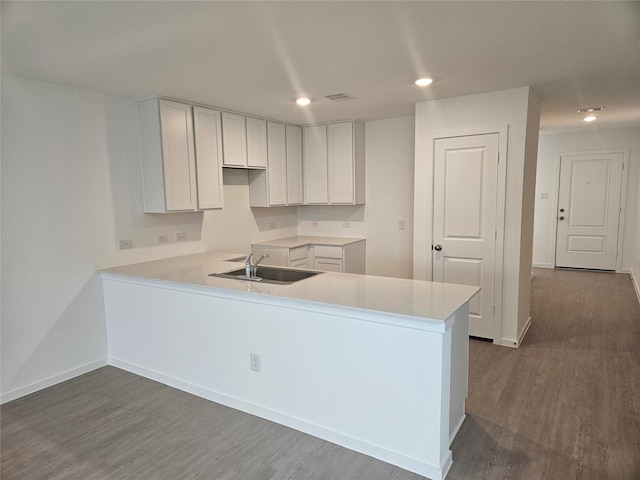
x: 389, y: 147
x: 237, y: 225
x: 550, y: 145
x: 70, y: 160
x: 519, y: 110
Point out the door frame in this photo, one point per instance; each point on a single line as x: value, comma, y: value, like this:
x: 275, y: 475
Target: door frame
x: 423, y: 264
x: 623, y: 198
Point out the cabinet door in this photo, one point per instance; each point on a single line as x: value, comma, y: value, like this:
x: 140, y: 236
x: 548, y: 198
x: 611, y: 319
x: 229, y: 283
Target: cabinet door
x: 276, y: 171
x: 315, y: 164
x: 234, y: 140
x: 256, y: 142
x: 341, y: 163
x: 294, y: 165
x: 208, y: 146
x: 178, y: 155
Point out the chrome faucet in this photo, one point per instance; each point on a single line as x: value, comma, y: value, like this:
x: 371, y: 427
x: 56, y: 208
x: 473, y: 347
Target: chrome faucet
x: 250, y: 271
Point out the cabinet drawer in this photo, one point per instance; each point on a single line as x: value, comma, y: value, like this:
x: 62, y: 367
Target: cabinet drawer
x: 326, y: 251
x: 328, y: 265
x: 300, y: 263
x: 298, y: 253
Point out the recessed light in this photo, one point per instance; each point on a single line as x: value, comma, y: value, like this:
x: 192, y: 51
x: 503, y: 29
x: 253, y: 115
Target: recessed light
x: 590, y: 118
x: 423, y: 82
x: 303, y: 101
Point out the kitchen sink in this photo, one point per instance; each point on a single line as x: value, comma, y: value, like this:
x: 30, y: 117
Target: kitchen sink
x: 279, y: 276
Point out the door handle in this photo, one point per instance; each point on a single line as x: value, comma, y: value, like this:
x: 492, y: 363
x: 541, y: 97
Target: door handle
x: 437, y: 248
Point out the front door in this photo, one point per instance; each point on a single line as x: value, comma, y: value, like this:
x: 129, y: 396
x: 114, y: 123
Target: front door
x: 589, y: 210
x: 464, y: 220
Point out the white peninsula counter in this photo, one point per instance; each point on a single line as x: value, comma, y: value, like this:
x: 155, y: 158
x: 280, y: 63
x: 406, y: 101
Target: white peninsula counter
x: 378, y: 365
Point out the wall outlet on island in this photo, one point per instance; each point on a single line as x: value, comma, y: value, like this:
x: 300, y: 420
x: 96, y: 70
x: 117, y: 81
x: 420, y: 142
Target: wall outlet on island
x: 272, y: 225
x: 162, y: 239
x: 181, y: 237
x: 255, y: 362
x: 346, y: 224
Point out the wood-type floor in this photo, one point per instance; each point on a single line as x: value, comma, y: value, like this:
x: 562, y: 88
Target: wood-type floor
x: 566, y: 405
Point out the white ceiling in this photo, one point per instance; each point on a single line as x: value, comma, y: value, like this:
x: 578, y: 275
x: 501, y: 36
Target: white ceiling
x: 256, y: 57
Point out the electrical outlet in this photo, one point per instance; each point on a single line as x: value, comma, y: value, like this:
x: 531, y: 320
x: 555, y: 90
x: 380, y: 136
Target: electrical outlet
x: 125, y: 244
x: 181, y: 237
x: 272, y: 224
x: 346, y: 224
x: 544, y: 196
x: 162, y: 239
x: 401, y: 225
x: 255, y: 362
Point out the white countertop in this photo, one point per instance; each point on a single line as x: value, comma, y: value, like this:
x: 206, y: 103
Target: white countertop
x: 302, y: 240
x: 411, y: 299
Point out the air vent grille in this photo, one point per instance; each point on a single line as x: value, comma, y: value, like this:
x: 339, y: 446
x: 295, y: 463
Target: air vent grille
x: 340, y: 97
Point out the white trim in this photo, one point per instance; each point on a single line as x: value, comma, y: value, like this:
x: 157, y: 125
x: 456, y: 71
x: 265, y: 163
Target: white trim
x: 623, y: 198
x: 542, y: 265
x: 50, y: 381
x: 432, y: 471
x: 636, y: 287
x: 424, y: 269
x: 512, y: 342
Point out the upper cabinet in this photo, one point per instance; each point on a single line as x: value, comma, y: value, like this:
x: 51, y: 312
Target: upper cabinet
x: 277, y: 186
x: 293, y: 136
x: 334, y: 164
x: 168, y: 158
x: 234, y: 142
x: 244, y: 141
x: 256, y: 143
x: 316, y: 189
x: 208, y: 147
x: 179, y: 174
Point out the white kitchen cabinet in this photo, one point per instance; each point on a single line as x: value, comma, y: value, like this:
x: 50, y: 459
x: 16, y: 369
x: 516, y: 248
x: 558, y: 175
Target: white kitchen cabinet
x: 271, y: 187
x: 168, y: 157
x: 244, y: 141
x: 256, y: 142
x: 234, y: 140
x: 295, y: 189
x: 319, y: 253
x: 346, y: 162
x: 316, y: 190
x: 208, y: 148
x: 334, y: 163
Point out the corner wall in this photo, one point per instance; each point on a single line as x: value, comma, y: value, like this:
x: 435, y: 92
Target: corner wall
x: 69, y: 163
x: 519, y: 110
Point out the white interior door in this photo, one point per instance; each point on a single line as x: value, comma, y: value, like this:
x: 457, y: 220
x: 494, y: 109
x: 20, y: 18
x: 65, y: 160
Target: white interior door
x: 464, y: 220
x: 589, y: 210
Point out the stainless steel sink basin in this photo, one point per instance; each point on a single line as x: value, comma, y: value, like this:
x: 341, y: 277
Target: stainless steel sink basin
x: 279, y: 276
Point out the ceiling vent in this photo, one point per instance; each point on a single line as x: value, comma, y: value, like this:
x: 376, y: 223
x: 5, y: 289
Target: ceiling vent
x: 340, y: 97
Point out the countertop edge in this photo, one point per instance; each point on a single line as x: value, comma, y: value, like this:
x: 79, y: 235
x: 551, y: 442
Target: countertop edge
x: 376, y: 316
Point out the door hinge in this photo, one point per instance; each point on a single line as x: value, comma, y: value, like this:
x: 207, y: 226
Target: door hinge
x: 495, y: 237
x: 494, y: 310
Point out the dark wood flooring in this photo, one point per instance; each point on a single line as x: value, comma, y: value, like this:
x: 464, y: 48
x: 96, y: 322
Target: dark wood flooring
x: 566, y: 405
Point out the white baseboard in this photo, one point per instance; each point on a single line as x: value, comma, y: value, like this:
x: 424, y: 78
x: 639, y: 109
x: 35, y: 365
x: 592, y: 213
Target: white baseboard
x: 635, y: 285
x: 512, y: 342
x: 50, y: 381
x: 302, y: 425
x: 543, y: 265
